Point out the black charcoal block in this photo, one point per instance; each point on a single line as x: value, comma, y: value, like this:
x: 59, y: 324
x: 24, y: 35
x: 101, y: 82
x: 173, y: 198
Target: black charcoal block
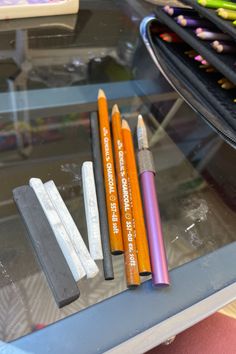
x: 51, y: 258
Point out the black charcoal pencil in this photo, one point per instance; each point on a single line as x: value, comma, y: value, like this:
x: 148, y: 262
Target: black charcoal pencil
x: 100, y: 188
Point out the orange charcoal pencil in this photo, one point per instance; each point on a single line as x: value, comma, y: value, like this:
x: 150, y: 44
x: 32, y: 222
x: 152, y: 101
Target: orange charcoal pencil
x: 113, y: 211
x: 137, y: 207
x: 131, y: 262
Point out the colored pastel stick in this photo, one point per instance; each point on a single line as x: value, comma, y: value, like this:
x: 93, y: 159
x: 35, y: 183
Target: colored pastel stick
x: 166, y: 8
x: 113, y: 210
x: 228, y: 86
x: 91, y: 211
x: 211, y: 36
x: 175, y: 11
x: 130, y: 255
x: 234, y: 23
x: 58, y: 228
x: 181, y: 17
x: 137, y: 207
x: 88, y: 264
x: 204, y: 66
x: 211, y: 69
x: 198, y: 58
x: 192, y: 17
x: 200, y: 29
x: 170, y: 37
x: 190, y: 53
x: 216, y: 4
x: 160, y: 275
x: 215, y: 44
x: 100, y: 188
x: 225, y: 48
x: 47, y: 249
x: 192, y: 22
x: 227, y: 14
x: 222, y: 80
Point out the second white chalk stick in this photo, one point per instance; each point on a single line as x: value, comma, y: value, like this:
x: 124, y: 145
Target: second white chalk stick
x: 88, y: 263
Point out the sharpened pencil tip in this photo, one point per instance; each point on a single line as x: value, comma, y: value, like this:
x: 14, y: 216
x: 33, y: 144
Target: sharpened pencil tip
x: 101, y: 93
x: 200, y: 35
x: 140, y: 120
x: 183, y: 22
x: 219, y: 48
x: 115, y: 109
x: 125, y: 124
x: 142, y: 134
x: 215, y: 44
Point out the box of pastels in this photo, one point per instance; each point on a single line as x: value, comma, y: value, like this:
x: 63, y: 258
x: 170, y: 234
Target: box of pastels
x: 194, y: 47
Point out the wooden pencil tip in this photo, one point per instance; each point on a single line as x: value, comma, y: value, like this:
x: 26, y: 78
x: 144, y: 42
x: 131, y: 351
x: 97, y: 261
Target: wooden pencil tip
x: 115, y: 109
x: 140, y: 120
x: 219, y: 48
x: 183, y: 22
x: 201, y: 35
x: 101, y: 93
x: 166, y: 8
x: 125, y: 124
x: 215, y: 43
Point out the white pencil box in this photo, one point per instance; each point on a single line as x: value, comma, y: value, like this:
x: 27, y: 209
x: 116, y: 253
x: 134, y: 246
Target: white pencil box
x: 10, y: 9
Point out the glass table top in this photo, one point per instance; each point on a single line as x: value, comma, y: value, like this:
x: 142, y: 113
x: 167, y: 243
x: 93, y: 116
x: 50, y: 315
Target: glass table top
x: 50, y: 72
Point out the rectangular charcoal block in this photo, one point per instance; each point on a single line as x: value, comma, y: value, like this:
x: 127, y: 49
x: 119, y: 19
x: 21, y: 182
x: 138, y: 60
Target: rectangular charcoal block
x: 55, y: 267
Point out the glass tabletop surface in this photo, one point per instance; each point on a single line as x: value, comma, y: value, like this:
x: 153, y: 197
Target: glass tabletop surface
x: 50, y: 72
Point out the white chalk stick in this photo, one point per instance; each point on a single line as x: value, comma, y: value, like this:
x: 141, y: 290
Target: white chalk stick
x: 88, y: 263
x: 58, y: 229
x: 91, y: 211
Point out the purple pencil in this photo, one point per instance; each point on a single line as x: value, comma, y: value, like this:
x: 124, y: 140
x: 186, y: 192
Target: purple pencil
x: 175, y: 11
x: 160, y: 275
x: 211, y: 36
x: 183, y: 17
x: 193, y: 22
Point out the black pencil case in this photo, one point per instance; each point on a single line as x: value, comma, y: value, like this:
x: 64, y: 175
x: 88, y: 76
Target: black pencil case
x: 198, y: 88
x: 224, y: 63
x: 210, y: 14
